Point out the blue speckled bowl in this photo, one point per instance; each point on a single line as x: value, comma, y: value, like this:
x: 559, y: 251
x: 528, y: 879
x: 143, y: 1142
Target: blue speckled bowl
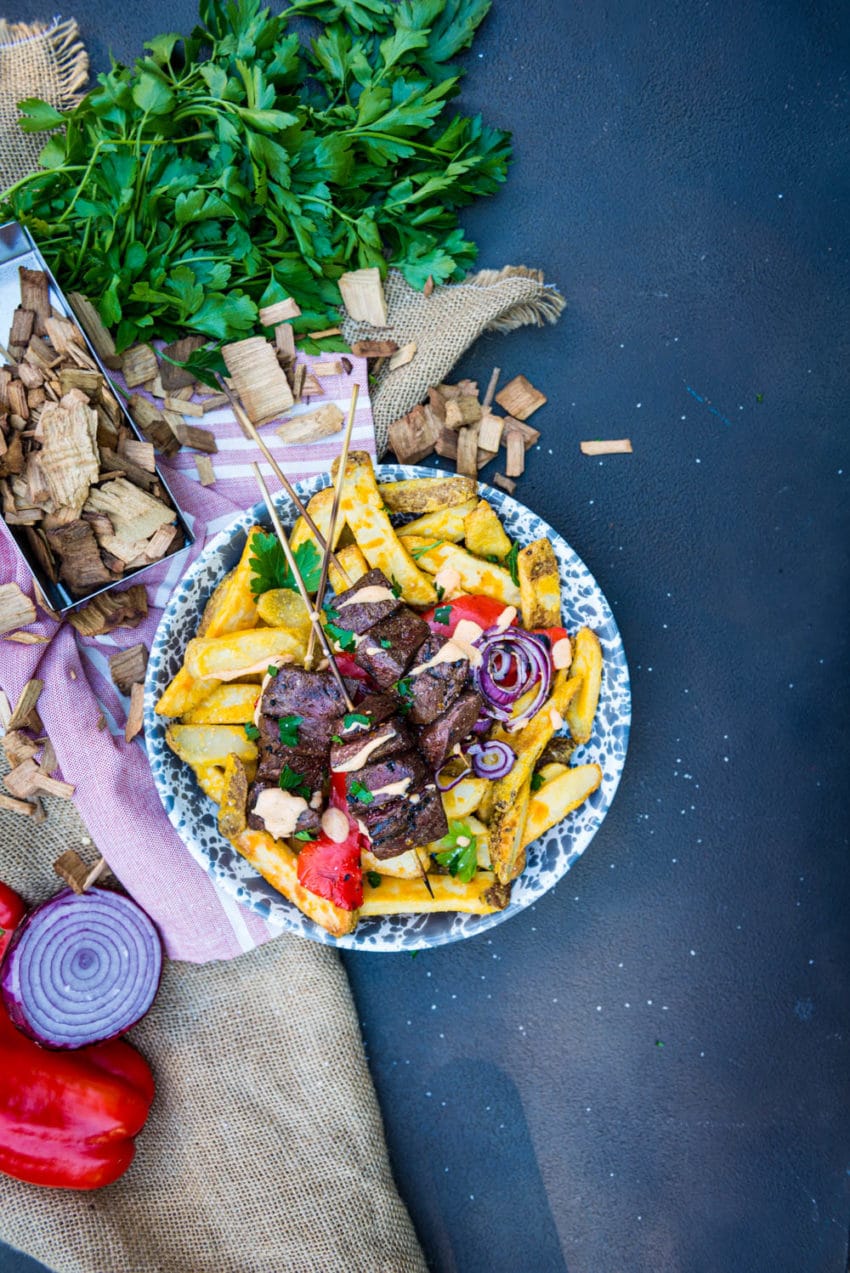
x: 192, y: 814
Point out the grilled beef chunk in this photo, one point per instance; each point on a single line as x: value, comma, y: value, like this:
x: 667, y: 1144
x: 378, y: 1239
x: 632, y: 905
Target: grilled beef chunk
x: 296, y: 691
x: 311, y: 767
x: 432, y: 691
x: 378, y: 708
x: 402, y: 825
x: 359, y: 616
x: 438, y: 738
x: 309, y: 820
x: 408, y: 767
x: 387, y: 648
x: 313, y: 734
x: 388, y: 739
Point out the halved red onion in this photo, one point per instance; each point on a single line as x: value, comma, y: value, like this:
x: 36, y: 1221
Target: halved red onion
x: 451, y: 772
x: 529, y: 664
x: 81, y: 968
x: 492, y: 759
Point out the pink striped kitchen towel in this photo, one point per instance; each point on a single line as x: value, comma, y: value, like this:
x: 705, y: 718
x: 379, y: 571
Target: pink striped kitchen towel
x: 115, y: 793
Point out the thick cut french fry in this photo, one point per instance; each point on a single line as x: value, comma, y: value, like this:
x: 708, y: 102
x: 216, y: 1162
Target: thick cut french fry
x: 427, y: 494
x: 471, y: 573
x: 404, y: 866
x: 363, y: 508
x: 511, y: 794
x: 411, y: 897
x: 557, y: 797
x: 352, y: 560
x: 235, y: 608
x: 230, y: 704
x: 484, y: 533
x: 279, y: 865
x: 228, y: 658
x: 283, y: 608
x: 539, y: 585
x: 587, y: 665
x: 232, y: 818
x: 320, y: 508
x: 214, y: 603
x: 446, y: 523
x: 184, y: 693
x: 209, y: 744
x: 210, y: 780
x: 465, y: 797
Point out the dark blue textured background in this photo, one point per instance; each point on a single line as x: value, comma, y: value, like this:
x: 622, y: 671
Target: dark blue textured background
x: 682, y: 174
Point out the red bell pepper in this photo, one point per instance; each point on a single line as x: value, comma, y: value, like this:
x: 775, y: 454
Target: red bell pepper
x: 484, y: 611
x: 332, y: 870
x: 67, y: 1120
x: 12, y: 911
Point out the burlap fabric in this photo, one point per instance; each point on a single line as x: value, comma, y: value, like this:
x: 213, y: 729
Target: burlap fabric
x: 444, y: 325
x: 264, y: 1151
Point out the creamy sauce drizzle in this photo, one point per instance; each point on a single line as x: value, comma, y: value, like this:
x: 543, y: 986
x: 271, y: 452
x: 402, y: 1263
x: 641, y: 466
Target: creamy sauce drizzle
x: 459, y: 646
x: 505, y: 619
x: 367, y: 596
x: 448, y: 579
x: 280, y: 811
x: 335, y: 825
x: 358, y: 760
x: 260, y: 666
x: 393, y: 788
x: 562, y: 653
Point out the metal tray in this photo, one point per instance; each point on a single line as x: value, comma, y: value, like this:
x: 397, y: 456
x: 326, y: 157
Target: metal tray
x: 17, y: 248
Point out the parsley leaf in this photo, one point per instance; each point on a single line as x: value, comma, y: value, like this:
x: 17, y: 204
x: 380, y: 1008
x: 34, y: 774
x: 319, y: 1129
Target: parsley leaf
x: 272, y: 669
x: 252, y: 732
x: 343, y: 639
x: 291, y: 781
x: 537, y: 781
x: 352, y: 719
x: 385, y: 643
x: 335, y: 738
x: 510, y: 562
x: 459, y: 851
x: 440, y: 590
x: 270, y: 567
x: 307, y: 836
x: 288, y: 730
x: 396, y: 586
x: 374, y: 878
x: 443, y: 615
x: 416, y: 553
x: 359, y: 792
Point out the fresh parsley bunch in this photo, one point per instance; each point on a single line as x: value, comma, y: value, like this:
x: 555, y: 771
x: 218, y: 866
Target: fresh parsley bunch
x: 252, y: 161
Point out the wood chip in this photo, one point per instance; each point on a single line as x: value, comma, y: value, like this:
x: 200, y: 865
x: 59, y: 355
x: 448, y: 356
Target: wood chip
x: 35, y: 295
x: 134, y: 513
x: 258, y: 379
x: 196, y: 438
x: 446, y: 444
x: 126, y: 667
x: 115, y: 609
x: 347, y: 365
x: 152, y: 424
x: 321, y: 423
x: 299, y: 375
x: 373, y: 348
x: 92, y: 324
x: 135, y: 716
x: 363, y: 296
x: 22, y: 781
x: 115, y: 465
x: 26, y: 703
x: 528, y: 434
x: 27, y: 638
x: 214, y: 401
x: 284, y: 341
x: 19, y: 747
x: 515, y: 446
x: 22, y: 325
x: 520, y: 398
x: 48, y: 760
x: 183, y: 407
x: 491, y: 389
x: 403, y: 356
x: 76, y: 873
x: 81, y: 566
x: 171, y: 377
x: 24, y: 807
x: 504, y: 483
x: 467, y: 451
x: 331, y: 368
x: 139, y: 454
x: 16, y: 608
x: 326, y: 331
x: 5, y: 709
x: 414, y: 435
x: 461, y: 411
x: 615, y: 446
x: 311, y: 387
x: 271, y: 315
x: 138, y: 364
x: 160, y: 542
x: 63, y: 334
x: 490, y: 432
x: 206, y: 472
x: 53, y: 786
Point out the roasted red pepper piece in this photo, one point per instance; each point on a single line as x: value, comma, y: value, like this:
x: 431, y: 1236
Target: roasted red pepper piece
x: 67, y: 1119
x: 332, y: 870
x: 484, y: 611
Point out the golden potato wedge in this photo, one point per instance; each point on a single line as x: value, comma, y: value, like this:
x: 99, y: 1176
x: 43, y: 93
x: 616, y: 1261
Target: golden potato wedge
x: 184, y: 693
x: 277, y: 863
x: 320, y: 508
x: 558, y: 796
x: 352, y: 559
x: 210, y: 744
x: 363, y: 509
x: 464, y: 798
x: 446, y: 523
x: 404, y: 866
x: 511, y: 794
x: 210, y: 780
x: 214, y: 604
x: 234, y: 608
x: 228, y: 704
x: 467, y: 573
x: 411, y: 897
x: 283, y: 608
x: 587, y: 665
x: 553, y: 770
x: 232, y: 815
x: 230, y: 657
x: 484, y: 533
x: 539, y: 585
x: 427, y: 494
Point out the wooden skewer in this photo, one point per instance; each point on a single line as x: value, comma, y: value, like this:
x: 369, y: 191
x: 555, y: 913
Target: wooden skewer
x: 340, y: 478
x: 296, y: 574
x: 250, y: 431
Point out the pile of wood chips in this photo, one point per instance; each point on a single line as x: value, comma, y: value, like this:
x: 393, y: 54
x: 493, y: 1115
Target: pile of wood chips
x: 31, y: 757
x: 72, y: 474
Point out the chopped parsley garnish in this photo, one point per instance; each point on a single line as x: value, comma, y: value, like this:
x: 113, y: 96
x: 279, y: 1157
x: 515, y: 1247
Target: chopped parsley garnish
x: 307, y: 836
x: 270, y: 567
x: 288, y: 730
x: 459, y: 851
x: 537, y: 781
x: 359, y: 792
x: 252, y: 732
x: 374, y: 878
x: 443, y: 615
x: 385, y: 643
x: 396, y: 587
x: 440, y: 590
x: 416, y: 553
x: 289, y: 780
x: 335, y: 738
x: 272, y: 670
x: 342, y: 638
x: 352, y: 719
x: 511, y: 562
x: 404, y: 688
x: 331, y: 614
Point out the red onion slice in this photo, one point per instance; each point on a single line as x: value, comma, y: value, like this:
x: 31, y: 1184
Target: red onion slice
x: 81, y: 968
x: 533, y: 664
x: 493, y: 759
x: 447, y: 781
